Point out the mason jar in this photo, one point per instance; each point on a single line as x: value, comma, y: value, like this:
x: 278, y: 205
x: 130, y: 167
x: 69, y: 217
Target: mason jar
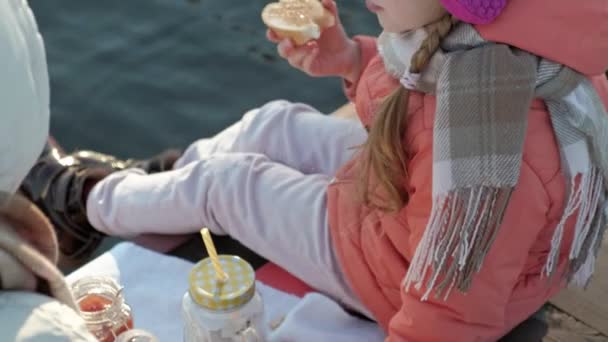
x: 223, y: 311
x: 103, y: 307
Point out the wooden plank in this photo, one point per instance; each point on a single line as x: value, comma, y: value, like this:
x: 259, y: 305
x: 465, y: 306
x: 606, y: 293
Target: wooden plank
x: 590, y: 306
x: 563, y: 328
x: 563, y: 335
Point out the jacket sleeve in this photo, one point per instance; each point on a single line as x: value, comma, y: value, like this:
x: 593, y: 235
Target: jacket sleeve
x: 368, y: 48
x: 28, y: 316
x: 484, y: 313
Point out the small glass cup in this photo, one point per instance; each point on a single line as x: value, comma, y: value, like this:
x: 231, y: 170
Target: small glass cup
x: 103, y: 307
x: 136, y: 335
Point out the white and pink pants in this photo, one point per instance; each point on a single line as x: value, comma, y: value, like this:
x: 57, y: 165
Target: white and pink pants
x: 263, y: 181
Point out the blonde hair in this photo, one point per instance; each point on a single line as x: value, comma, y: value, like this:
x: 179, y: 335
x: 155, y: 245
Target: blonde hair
x: 384, y: 155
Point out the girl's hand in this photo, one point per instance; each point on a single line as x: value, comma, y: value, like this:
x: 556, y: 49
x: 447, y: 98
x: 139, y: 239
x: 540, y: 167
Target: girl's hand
x: 333, y: 54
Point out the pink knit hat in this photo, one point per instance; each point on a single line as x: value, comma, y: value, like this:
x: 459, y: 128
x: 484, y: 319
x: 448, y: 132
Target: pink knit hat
x: 475, y: 11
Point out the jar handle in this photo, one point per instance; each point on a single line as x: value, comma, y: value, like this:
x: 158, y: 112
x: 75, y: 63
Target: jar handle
x: 249, y: 335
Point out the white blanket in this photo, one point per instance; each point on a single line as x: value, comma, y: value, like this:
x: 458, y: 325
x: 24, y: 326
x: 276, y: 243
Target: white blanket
x: 155, y: 283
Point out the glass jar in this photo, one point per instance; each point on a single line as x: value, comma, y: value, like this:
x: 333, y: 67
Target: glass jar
x: 216, y: 311
x: 103, y: 307
x: 136, y: 335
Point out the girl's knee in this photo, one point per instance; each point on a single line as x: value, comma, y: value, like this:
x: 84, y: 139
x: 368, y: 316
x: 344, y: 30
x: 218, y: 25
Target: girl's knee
x: 274, y: 114
x: 266, y: 113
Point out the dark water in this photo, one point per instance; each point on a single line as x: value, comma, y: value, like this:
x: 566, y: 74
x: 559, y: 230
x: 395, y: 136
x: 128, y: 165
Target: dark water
x: 132, y: 77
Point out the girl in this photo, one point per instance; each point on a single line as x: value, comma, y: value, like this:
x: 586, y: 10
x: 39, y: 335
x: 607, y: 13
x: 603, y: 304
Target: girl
x: 477, y: 191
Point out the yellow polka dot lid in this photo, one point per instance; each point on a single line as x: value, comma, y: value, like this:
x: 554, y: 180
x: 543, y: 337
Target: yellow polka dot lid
x: 207, y: 290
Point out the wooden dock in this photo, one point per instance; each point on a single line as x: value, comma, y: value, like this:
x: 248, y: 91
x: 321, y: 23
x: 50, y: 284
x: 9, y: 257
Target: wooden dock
x: 582, y: 315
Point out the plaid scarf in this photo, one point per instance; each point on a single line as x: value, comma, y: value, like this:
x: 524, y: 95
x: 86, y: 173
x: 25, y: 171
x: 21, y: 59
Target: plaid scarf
x: 484, y: 92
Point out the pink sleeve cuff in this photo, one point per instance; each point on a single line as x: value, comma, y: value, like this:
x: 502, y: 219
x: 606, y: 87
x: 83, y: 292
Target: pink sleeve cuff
x: 367, y: 45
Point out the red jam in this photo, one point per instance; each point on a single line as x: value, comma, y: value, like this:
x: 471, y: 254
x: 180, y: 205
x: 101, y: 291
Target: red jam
x: 96, y: 303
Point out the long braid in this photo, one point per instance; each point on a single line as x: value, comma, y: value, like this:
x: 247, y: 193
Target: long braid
x: 384, y: 155
x: 437, y: 31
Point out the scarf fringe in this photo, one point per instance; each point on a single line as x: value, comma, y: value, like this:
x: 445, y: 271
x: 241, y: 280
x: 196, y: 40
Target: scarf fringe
x: 464, y: 224
x: 585, y: 201
x: 462, y: 228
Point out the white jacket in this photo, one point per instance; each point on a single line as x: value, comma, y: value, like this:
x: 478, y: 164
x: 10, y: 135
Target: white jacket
x: 24, y: 113
x: 31, y: 317
x: 24, y: 93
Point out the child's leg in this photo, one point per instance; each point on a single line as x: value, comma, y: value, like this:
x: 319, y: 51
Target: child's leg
x: 296, y: 135
x: 276, y: 211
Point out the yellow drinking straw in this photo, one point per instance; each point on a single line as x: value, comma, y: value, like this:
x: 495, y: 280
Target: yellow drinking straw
x: 219, y: 272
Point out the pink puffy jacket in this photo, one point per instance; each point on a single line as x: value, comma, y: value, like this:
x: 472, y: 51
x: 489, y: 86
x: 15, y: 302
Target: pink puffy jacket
x: 375, y: 247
